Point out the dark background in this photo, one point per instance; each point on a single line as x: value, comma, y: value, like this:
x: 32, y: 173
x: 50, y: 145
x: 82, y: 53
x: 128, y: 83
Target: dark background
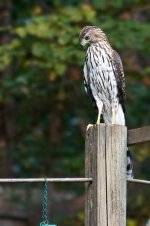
x: 44, y: 109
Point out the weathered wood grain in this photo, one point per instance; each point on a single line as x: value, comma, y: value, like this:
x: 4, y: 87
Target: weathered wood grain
x: 101, y: 175
x: 138, y: 135
x: 116, y: 137
x: 105, y: 162
x: 95, y: 213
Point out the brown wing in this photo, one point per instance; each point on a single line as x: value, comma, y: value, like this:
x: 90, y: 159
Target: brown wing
x: 119, y: 74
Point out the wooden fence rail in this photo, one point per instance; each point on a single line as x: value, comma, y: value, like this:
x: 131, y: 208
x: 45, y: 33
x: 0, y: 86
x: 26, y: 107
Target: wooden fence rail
x: 138, y: 135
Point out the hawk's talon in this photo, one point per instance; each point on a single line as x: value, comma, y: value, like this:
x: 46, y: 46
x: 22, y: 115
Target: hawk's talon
x: 88, y: 127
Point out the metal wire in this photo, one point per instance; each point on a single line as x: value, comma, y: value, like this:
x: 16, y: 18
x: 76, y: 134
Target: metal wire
x: 50, y: 180
x: 139, y: 181
x: 61, y: 180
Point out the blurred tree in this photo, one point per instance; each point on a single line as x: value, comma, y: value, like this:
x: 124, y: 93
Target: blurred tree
x: 45, y: 85
x: 5, y: 108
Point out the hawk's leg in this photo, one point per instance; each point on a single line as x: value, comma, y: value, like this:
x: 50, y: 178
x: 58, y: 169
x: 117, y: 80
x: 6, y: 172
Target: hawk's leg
x: 100, y: 107
x: 113, y: 116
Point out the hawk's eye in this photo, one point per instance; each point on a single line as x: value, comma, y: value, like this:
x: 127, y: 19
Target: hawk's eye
x: 87, y: 37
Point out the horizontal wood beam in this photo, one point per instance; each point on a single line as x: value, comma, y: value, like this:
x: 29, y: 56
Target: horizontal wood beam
x: 139, y: 135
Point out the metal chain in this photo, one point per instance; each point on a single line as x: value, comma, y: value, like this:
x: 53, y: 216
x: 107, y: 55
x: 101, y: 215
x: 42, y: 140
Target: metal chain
x: 45, y: 204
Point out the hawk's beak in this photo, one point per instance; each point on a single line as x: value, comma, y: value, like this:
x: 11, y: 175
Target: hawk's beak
x: 83, y: 44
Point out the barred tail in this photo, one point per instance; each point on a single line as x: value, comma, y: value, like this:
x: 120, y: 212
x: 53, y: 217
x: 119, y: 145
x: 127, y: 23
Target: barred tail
x: 130, y: 174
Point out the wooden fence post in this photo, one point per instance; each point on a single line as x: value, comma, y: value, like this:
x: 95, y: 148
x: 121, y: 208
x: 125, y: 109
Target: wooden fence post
x: 105, y: 162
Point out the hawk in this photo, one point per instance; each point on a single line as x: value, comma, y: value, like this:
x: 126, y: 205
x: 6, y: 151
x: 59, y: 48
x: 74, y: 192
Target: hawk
x: 104, y: 79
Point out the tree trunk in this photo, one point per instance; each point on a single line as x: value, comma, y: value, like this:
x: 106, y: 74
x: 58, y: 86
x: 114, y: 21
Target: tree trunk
x: 5, y: 107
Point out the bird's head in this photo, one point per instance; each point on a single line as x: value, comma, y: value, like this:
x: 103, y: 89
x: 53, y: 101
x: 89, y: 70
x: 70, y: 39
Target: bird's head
x: 91, y: 34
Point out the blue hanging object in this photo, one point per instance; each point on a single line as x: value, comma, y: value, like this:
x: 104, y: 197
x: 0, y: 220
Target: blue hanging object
x: 43, y: 224
x: 45, y: 206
